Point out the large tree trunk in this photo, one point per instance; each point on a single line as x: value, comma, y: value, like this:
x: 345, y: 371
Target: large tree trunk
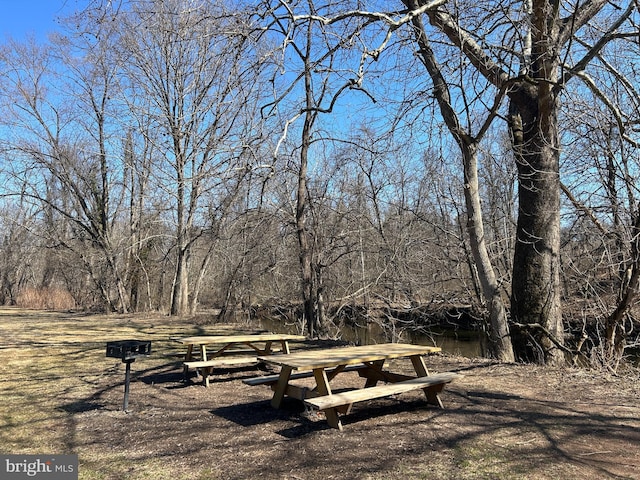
x: 537, y: 332
x: 180, y: 290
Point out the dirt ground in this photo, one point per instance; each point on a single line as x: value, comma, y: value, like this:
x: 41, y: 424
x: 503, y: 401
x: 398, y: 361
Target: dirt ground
x: 59, y: 393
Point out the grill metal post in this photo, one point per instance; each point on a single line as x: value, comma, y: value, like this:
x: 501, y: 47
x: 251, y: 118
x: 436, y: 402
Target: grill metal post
x: 127, y: 381
x: 128, y: 351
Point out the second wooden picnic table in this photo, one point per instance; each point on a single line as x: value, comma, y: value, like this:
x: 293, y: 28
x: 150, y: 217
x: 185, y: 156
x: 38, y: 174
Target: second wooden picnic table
x: 324, y: 364
x: 225, y: 351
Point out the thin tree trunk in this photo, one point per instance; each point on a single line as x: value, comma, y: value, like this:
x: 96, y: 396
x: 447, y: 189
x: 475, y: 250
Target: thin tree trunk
x: 195, y: 294
x: 303, y: 238
x: 616, y: 334
x: 498, y: 332
x: 304, y: 241
x: 499, y: 341
x: 180, y: 294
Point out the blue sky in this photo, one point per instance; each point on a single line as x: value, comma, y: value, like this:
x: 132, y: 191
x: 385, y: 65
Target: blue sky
x: 19, y: 18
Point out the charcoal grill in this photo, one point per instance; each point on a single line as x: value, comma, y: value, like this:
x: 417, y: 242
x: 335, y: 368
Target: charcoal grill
x: 128, y: 351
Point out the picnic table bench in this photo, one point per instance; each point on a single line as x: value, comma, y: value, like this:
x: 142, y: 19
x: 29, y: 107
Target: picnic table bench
x: 229, y: 350
x: 433, y: 383
x: 323, y: 365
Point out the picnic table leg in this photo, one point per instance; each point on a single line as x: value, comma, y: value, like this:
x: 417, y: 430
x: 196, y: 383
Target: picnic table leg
x: 187, y: 358
x: 206, y: 370
x: 431, y: 392
x: 322, y: 385
x: 281, y: 387
x: 377, y: 366
x: 285, y: 346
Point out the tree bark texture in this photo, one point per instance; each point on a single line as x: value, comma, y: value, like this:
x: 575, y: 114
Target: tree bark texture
x: 535, y: 288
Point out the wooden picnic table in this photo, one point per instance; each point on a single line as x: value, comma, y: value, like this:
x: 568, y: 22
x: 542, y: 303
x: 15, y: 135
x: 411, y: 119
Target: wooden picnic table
x: 225, y: 350
x: 368, y: 360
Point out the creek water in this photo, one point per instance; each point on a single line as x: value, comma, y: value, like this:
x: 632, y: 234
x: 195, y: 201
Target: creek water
x: 455, y: 342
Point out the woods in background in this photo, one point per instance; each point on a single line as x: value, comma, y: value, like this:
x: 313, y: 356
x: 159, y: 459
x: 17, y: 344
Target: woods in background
x: 171, y: 154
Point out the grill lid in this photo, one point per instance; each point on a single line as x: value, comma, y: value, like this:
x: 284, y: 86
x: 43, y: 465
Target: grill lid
x: 128, y: 349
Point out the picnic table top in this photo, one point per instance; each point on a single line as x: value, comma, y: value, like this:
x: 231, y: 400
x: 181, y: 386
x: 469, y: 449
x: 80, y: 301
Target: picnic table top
x: 224, y: 339
x: 333, y: 357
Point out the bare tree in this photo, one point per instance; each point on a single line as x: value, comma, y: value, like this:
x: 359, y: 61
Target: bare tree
x: 499, y: 341
x: 521, y: 51
x: 315, y: 55
x: 60, y: 105
x: 468, y: 144
x: 17, y: 255
x: 192, y: 61
x: 603, y: 192
x: 524, y: 60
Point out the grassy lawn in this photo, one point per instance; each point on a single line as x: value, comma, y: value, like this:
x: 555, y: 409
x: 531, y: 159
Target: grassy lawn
x: 54, y: 366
